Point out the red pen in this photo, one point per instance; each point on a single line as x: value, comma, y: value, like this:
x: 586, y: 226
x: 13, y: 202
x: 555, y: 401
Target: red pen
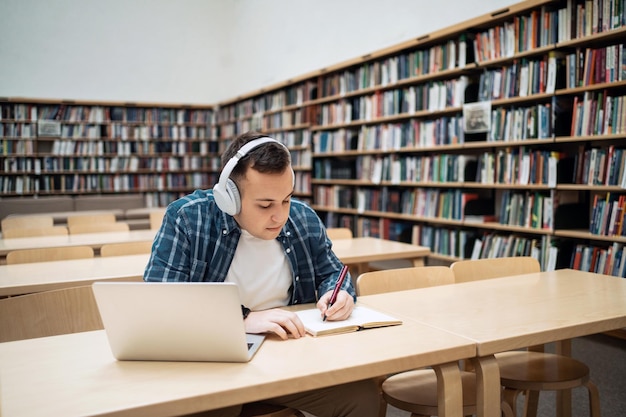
x: 333, y: 296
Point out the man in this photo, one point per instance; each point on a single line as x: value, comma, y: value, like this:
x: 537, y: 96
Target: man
x: 249, y: 231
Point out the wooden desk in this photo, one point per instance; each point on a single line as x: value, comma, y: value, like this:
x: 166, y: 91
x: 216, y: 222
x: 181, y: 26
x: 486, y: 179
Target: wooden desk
x: 95, y: 240
x: 60, y: 217
x: 515, y: 312
x: 44, y: 276
x: 360, y: 251
x: 76, y: 375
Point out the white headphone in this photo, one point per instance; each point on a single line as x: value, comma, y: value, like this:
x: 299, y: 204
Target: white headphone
x: 225, y: 192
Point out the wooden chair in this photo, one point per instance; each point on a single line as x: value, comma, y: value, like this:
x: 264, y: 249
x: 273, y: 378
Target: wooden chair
x: 335, y: 233
x: 26, y: 222
x: 414, y: 391
x: 98, y: 227
x: 377, y: 282
x: 23, y: 256
x: 531, y: 371
x: 90, y: 219
x: 35, y: 232
x: 49, y: 313
x: 156, y: 218
x: 126, y: 248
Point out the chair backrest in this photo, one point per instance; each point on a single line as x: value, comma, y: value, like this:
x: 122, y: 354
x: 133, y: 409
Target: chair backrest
x: 35, y: 231
x: 401, y: 279
x: 22, y: 256
x: 90, y: 219
x: 98, y: 227
x: 156, y: 218
x: 335, y: 233
x: 477, y: 269
x: 26, y: 222
x: 49, y: 313
x: 126, y: 248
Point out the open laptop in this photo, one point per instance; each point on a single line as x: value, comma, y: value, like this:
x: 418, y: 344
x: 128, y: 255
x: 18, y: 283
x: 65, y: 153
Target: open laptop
x: 175, y: 321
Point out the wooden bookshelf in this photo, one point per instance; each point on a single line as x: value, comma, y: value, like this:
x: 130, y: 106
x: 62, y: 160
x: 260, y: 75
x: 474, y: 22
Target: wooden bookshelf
x: 70, y: 147
x: 282, y: 112
x: 381, y: 144
x: 392, y: 157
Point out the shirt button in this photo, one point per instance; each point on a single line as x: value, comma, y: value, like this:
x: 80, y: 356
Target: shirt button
x: 288, y: 233
x: 224, y: 232
x: 288, y: 250
x: 298, y: 278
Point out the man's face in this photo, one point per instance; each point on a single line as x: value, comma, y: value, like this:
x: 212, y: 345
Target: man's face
x: 265, y: 201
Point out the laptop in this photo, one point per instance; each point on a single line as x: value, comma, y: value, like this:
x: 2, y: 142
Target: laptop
x: 175, y: 321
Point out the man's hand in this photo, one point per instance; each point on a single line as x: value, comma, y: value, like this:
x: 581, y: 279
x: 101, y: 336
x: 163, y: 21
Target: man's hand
x: 340, y: 310
x: 275, y: 320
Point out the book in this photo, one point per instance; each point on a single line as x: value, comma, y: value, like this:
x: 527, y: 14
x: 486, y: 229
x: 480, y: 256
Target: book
x: 361, y: 318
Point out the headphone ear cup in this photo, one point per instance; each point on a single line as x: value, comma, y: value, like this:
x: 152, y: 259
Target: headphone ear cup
x: 227, y: 199
x: 235, y: 198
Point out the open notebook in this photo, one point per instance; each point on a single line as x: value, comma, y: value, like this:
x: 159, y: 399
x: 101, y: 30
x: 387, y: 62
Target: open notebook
x: 175, y: 321
x: 361, y: 318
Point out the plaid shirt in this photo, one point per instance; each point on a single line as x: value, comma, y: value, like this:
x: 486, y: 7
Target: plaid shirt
x: 197, y: 242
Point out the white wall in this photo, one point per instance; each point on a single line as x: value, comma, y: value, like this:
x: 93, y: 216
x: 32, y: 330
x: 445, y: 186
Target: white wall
x: 197, y: 51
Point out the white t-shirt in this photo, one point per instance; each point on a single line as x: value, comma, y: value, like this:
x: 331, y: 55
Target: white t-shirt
x: 262, y: 272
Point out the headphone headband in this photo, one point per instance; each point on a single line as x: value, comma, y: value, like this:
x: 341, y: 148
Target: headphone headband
x: 225, y: 192
x: 243, y: 151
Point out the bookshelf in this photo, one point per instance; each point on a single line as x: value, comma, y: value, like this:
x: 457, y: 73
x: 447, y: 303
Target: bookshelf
x: 283, y: 112
x: 67, y: 147
x: 393, y: 143
x: 395, y: 154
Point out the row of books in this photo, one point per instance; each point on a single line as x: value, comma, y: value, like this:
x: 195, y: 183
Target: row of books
x: 598, y: 113
x: 582, y: 18
x: 595, y: 66
x: 520, y: 79
x: 152, y: 132
x: 608, y: 215
x: 17, y: 147
x: 144, y: 148
x: 105, y: 182
x: 604, y: 260
x: 521, y: 123
x: 527, y: 209
x: 447, y: 56
x: 493, y: 245
x: 434, y: 96
x: 417, y: 133
x: 600, y: 166
x: 18, y: 130
x: 453, y: 242
x: 302, y: 158
x: 523, y: 33
x: 283, y: 120
x: 130, y: 114
x: 517, y: 166
x: 290, y: 96
x: 127, y: 164
x: 39, y: 166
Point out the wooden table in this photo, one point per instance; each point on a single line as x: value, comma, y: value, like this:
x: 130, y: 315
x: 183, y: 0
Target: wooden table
x: 515, y: 312
x: 44, y: 276
x: 76, y: 375
x: 360, y: 251
x: 95, y: 240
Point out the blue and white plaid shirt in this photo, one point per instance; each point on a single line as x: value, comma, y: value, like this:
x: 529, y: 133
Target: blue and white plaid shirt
x: 197, y: 242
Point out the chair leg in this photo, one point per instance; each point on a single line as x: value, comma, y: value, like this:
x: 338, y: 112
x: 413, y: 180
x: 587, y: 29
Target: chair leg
x: 509, y: 402
x: 594, y: 399
x: 531, y: 403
